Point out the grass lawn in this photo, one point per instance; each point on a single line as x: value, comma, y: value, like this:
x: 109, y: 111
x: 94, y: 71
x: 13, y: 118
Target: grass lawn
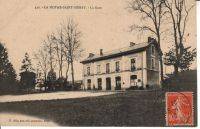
x: 121, y: 109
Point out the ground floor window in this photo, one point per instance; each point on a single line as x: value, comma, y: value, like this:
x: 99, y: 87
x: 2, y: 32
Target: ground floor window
x: 133, y: 81
x: 118, y: 83
x: 108, y: 83
x: 99, y: 82
x: 89, y: 84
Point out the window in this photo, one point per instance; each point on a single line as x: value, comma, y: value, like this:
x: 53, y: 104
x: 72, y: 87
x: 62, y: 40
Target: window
x: 133, y: 79
x: 153, y: 63
x: 117, y: 67
x: 99, y: 82
x: 107, y: 68
x: 98, y: 68
x: 88, y: 70
x: 118, y: 83
x: 152, y: 50
x: 133, y: 64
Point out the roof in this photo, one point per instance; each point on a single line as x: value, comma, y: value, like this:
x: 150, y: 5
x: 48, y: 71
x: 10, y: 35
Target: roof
x: 118, y: 52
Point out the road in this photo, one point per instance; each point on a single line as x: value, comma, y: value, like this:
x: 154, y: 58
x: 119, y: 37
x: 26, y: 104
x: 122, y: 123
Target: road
x: 51, y: 96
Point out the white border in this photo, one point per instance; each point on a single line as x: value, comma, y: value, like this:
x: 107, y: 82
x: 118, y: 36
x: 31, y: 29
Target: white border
x: 198, y: 54
x: 198, y: 91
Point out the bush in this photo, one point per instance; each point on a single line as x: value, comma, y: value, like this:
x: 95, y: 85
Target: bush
x: 132, y: 88
x: 117, y: 88
x: 147, y: 86
x: 141, y: 88
x: 10, y: 87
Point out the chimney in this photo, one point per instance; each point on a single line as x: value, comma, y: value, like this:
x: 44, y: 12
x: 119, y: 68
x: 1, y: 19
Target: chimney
x: 132, y: 44
x: 101, y: 52
x: 151, y: 40
x: 91, y: 55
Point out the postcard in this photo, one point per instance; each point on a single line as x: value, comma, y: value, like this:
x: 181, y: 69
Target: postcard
x: 91, y: 63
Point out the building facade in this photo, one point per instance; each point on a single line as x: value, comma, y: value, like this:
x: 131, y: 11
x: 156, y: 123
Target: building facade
x: 136, y: 65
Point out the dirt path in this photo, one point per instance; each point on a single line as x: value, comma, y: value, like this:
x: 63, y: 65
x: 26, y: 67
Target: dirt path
x: 52, y: 96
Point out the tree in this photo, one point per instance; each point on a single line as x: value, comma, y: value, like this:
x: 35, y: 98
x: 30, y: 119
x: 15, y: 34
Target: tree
x: 49, y: 48
x: 49, y: 45
x: 59, y: 48
x: 26, y: 64
x: 7, y: 72
x: 71, y: 43
x: 178, y: 12
x: 27, y: 75
x: 151, y: 11
x: 185, y: 60
x: 42, y: 62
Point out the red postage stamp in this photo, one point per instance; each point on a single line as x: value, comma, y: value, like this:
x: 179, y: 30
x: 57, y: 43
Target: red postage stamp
x: 179, y: 108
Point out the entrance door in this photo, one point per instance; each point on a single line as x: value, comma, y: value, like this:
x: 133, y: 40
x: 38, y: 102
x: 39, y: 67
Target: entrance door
x: 108, y: 83
x: 99, y: 82
x: 89, y: 84
x: 118, y: 83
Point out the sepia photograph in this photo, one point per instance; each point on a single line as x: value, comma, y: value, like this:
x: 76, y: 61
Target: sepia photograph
x: 98, y: 63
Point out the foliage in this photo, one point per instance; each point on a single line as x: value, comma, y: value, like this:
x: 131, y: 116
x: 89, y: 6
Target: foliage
x: 184, y: 61
x: 179, y: 56
x: 51, y: 77
x: 27, y: 80
x: 7, y: 72
x: 26, y: 64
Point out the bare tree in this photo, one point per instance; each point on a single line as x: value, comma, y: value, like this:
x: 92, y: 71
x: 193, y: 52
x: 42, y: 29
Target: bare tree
x: 151, y: 11
x: 178, y: 12
x: 59, y: 49
x: 42, y: 62
x: 49, y: 45
x: 72, y: 44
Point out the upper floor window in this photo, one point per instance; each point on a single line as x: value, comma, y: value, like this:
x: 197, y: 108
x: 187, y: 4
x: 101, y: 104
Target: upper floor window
x: 107, y: 68
x: 117, y: 67
x: 152, y: 50
x: 153, y: 63
x: 98, y: 68
x: 133, y: 64
x: 88, y: 70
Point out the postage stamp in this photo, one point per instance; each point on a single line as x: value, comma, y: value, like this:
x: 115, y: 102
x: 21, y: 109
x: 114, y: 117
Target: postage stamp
x: 179, y: 108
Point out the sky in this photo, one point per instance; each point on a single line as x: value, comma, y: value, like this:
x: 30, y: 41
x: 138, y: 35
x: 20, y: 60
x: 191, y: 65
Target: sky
x: 23, y: 27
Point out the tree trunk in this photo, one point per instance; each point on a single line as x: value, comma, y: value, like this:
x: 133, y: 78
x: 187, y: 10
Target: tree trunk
x: 161, y: 70
x: 175, y: 70
x: 161, y: 61
x: 45, y: 80
x: 61, y: 71
x: 67, y: 69
x: 72, y: 70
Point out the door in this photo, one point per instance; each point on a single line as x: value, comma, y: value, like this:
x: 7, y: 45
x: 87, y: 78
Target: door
x: 118, y: 83
x: 89, y: 84
x: 108, y: 83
